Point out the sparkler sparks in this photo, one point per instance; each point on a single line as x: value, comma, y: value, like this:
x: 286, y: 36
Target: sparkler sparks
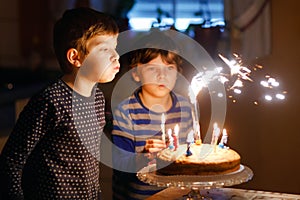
x: 235, y: 81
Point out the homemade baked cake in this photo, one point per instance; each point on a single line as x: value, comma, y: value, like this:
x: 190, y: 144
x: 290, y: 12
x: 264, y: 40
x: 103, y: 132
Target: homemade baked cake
x: 206, y: 159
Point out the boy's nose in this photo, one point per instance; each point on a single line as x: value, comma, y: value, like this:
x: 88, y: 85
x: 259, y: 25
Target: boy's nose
x: 162, y: 71
x: 116, y: 56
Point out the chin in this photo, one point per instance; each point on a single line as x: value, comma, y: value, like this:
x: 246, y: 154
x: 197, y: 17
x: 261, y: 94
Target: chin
x: 107, y: 79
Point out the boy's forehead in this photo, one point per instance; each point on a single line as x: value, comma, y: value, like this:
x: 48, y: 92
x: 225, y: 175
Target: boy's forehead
x: 158, y: 61
x: 100, y: 39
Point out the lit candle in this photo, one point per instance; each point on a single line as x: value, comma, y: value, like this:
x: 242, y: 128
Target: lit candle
x: 171, y: 139
x: 162, y: 126
x: 196, y: 128
x: 215, y: 135
x: 224, y: 139
x: 176, y: 133
x: 176, y: 129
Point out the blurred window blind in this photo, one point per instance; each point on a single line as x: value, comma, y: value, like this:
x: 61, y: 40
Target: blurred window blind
x: 180, y: 13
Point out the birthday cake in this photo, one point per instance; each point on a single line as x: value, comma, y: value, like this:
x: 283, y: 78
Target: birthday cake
x: 194, y: 159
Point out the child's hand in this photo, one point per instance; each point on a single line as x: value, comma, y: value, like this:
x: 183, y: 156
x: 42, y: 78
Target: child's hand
x: 153, y: 146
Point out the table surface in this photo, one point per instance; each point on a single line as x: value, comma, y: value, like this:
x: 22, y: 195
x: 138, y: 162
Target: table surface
x: 176, y: 193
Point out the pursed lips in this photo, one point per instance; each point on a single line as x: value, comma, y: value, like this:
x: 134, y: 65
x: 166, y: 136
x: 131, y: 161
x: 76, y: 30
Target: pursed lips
x: 117, y: 68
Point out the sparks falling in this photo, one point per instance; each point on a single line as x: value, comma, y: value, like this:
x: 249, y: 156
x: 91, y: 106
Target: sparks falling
x: 235, y: 80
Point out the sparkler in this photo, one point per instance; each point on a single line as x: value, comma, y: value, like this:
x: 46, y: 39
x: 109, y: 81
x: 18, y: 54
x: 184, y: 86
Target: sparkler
x: 234, y: 81
x: 241, y: 74
x: 194, y: 89
x: 271, y: 83
x: 200, y: 81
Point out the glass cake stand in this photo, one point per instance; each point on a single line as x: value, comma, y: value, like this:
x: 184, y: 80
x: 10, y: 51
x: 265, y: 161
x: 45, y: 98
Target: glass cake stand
x: 195, y: 183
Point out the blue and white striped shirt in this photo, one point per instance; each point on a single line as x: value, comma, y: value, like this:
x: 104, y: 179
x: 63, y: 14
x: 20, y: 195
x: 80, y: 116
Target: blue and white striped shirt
x: 133, y: 124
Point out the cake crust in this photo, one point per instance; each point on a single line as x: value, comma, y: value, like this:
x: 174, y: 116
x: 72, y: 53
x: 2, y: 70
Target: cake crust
x: 206, y: 159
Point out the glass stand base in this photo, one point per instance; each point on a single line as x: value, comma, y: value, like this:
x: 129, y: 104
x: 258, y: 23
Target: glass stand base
x: 195, y: 194
x: 196, y: 183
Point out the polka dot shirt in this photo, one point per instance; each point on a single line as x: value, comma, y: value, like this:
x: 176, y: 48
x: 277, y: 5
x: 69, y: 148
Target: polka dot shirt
x: 53, y: 151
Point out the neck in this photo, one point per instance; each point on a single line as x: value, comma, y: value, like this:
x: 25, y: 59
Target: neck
x: 80, y: 85
x: 156, y: 104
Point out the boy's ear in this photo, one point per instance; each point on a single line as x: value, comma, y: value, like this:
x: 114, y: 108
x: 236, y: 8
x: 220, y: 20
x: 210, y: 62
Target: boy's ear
x: 73, y: 57
x: 135, y: 75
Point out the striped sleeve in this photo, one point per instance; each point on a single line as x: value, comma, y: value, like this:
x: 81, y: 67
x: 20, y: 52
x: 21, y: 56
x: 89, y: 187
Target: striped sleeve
x: 124, y: 156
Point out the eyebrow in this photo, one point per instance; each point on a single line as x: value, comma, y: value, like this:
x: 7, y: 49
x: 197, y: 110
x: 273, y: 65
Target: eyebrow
x: 101, y: 41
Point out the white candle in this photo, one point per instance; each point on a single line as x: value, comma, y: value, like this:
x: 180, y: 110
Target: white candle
x: 224, y: 139
x: 196, y: 127
x: 162, y: 126
x: 176, y: 133
x: 215, y: 135
x: 176, y: 129
x: 171, y: 139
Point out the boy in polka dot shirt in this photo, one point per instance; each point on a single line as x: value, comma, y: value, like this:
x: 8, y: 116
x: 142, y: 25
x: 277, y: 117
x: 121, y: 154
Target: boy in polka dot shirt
x: 53, y: 151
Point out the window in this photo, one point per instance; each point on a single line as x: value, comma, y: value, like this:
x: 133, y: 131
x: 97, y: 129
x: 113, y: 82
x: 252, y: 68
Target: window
x: 180, y: 13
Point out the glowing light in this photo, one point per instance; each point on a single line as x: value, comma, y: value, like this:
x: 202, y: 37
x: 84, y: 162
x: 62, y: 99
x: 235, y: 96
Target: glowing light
x: 10, y: 86
x: 237, y: 83
x: 275, y: 84
x: 280, y: 96
x: 237, y: 91
x: 268, y: 97
x: 234, y: 80
x: 223, y: 79
x: 236, y: 68
x: 220, y: 94
x: 264, y: 83
x: 141, y: 24
x: 240, y: 73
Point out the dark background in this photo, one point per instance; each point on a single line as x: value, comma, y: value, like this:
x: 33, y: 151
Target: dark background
x: 266, y: 135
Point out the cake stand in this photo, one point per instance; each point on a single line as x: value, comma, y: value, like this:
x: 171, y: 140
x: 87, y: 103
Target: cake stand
x: 195, y: 183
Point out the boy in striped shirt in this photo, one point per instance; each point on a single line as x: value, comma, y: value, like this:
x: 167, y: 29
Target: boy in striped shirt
x: 137, y: 133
